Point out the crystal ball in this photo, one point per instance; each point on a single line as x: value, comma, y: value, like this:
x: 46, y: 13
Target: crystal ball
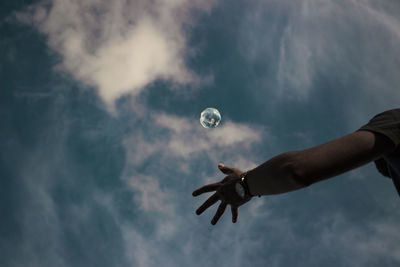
x: 210, y: 118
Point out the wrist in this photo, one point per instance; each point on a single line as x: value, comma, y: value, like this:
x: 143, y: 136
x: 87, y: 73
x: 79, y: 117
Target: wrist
x: 242, y: 187
x: 248, y: 180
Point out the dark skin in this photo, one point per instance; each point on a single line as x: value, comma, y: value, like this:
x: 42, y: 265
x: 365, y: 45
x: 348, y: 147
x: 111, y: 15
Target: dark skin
x: 295, y: 170
x: 225, y: 192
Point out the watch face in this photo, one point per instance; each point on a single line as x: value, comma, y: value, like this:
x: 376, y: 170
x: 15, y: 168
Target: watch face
x: 240, y: 190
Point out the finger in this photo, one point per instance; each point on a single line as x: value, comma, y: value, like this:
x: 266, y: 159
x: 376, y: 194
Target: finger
x: 209, y: 202
x: 225, y: 169
x: 219, y: 213
x: 206, y: 188
x: 234, y: 213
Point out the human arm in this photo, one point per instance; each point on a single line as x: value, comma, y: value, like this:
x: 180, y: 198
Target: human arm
x: 297, y: 169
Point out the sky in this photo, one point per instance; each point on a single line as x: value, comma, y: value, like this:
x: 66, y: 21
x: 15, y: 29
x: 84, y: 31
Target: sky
x: 101, y: 145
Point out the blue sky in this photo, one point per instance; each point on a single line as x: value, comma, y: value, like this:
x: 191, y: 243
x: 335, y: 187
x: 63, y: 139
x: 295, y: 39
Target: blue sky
x: 101, y: 144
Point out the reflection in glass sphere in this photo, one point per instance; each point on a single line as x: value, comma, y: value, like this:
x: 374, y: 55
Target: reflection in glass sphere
x: 210, y: 118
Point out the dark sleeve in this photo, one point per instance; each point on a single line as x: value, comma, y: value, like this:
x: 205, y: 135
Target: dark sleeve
x: 388, y: 124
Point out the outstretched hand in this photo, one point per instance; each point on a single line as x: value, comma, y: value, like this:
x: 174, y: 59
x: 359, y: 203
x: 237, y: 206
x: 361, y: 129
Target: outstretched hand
x: 225, y: 192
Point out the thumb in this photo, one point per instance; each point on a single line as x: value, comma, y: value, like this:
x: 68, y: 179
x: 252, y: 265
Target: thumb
x: 225, y: 169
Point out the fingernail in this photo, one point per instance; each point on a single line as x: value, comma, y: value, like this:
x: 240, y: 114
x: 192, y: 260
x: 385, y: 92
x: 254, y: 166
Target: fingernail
x: 220, y: 165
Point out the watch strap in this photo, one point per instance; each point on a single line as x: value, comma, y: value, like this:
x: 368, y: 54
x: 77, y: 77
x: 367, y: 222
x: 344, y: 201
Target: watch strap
x: 243, y: 182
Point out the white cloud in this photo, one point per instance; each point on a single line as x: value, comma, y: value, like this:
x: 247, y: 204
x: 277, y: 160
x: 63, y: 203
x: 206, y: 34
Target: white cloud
x: 189, y: 137
x: 119, y: 47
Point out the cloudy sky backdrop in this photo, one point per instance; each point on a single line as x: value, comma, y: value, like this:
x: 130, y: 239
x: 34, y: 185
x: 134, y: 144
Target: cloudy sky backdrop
x: 101, y: 145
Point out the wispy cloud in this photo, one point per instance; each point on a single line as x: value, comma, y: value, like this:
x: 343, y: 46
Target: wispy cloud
x: 121, y: 47
x: 151, y: 197
x: 341, y: 48
x: 189, y: 137
x: 178, y: 156
x: 179, y: 144
x: 361, y: 244
x: 118, y: 47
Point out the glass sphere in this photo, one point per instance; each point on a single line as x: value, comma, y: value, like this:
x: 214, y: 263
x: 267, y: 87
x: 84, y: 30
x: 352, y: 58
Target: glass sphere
x: 210, y: 118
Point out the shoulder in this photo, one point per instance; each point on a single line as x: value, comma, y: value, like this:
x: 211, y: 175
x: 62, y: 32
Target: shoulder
x: 387, y: 124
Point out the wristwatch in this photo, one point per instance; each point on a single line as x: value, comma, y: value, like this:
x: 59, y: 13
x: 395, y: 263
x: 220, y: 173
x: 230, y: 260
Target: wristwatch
x: 241, y: 187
